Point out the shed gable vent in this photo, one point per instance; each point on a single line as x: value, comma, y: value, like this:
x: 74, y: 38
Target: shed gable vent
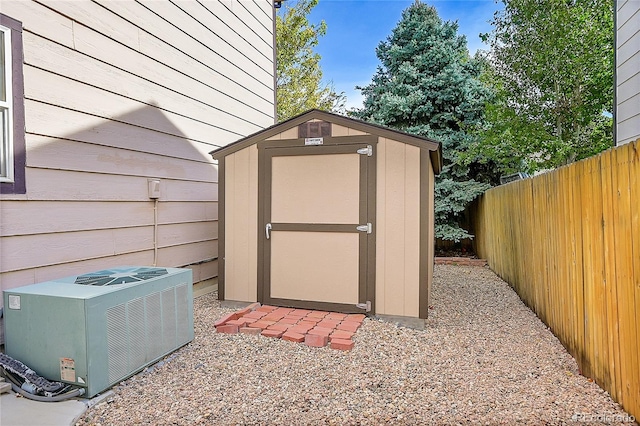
x: 314, y: 129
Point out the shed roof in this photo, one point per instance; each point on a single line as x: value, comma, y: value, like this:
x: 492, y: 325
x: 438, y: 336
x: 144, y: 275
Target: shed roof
x: 434, y: 147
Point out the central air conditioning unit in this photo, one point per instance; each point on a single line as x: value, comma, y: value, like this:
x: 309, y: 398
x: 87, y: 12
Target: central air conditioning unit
x: 96, y: 329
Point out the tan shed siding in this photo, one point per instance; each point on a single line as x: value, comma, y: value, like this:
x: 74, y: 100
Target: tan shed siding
x: 337, y: 130
x: 287, y: 134
x: 412, y: 230
x: 241, y: 233
x: 117, y: 93
x: 628, y: 72
x: 397, y: 229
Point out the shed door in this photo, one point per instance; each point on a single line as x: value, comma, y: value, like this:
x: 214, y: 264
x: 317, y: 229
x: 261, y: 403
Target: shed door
x: 317, y: 240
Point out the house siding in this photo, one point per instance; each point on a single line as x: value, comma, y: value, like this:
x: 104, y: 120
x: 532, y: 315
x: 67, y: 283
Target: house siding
x: 627, y: 71
x: 117, y: 93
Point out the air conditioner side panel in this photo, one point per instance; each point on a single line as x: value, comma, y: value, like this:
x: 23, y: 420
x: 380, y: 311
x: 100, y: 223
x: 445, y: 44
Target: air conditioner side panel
x: 44, y: 330
x: 136, y: 326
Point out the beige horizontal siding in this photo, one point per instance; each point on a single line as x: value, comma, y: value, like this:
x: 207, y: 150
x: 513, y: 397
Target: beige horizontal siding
x: 240, y: 40
x: 628, y: 130
x: 252, y: 15
x: 627, y: 21
x: 51, y: 184
x: 40, y: 273
x: 17, y: 252
x: 158, y: 37
x: 61, y: 123
x: 216, y: 35
x: 628, y: 72
x: 630, y: 107
x: 184, y: 254
x: 181, y: 233
x: 20, y: 252
x: 626, y: 51
x: 42, y: 20
x: 19, y: 278
x: 111, y: 106
x: 83, y: 216
x: 79, y: 216
x: 66, y: 154
x: 629, y: 92
x: 55, y: 58
x: 204, y: 271
x: 117, y: 93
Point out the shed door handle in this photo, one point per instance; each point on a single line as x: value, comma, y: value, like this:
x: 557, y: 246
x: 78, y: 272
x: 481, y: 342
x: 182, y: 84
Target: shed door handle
x: 267, y: 230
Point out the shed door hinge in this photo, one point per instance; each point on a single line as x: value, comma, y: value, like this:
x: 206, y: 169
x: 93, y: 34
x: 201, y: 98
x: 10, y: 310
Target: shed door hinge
x: 366, y: 306
x: 365, y: 228
x: 368, y: 151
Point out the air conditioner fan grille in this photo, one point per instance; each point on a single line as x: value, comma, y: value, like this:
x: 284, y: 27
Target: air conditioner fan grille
x: 111, y: 277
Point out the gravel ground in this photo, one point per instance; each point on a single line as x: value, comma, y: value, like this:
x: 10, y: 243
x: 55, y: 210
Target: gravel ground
x: 484, y: 358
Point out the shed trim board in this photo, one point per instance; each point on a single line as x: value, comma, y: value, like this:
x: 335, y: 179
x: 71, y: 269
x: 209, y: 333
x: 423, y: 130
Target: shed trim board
x: 327, y: 141
x: 221, y: 228
x: 424, y: 236
x: 371, y: 240
x: 275, y: 63
x: 267, y: 146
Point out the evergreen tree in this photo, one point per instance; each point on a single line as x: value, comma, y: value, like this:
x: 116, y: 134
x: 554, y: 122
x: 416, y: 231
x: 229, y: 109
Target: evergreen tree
x: 428, y: 85
x: 299, y: 84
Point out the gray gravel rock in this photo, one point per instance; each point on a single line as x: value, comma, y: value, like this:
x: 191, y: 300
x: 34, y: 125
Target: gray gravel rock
x: 484, y: 358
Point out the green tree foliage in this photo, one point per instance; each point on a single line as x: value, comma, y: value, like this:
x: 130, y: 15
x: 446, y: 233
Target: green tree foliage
x: 551, y: 65
x: 299, y: 84
x: 428, y: 85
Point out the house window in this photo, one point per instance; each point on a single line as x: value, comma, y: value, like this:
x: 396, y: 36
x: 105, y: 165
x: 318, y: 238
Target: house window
x: 6, y: 148
x: 12, y: 138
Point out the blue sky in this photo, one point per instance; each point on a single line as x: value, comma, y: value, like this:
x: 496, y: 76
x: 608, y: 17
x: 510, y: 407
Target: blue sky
x: 354, y: 29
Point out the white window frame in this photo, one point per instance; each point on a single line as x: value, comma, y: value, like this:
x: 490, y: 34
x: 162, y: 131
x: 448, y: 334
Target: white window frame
x: 6, y: 147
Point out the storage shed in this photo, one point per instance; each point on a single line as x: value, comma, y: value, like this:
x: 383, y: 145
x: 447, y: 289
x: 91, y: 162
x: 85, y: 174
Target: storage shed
x: 326, y: 212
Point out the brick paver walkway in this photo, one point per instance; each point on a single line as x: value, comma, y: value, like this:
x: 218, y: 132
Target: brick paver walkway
x: 314, y: 328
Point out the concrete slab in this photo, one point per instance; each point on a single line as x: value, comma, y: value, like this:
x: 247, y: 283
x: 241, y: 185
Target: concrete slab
x: 409, y: 322
x: 234, y: 304
x: 16, y: 410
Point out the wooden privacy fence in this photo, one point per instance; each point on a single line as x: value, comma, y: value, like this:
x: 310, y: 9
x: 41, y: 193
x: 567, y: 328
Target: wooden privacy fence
x: 568, y: 242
